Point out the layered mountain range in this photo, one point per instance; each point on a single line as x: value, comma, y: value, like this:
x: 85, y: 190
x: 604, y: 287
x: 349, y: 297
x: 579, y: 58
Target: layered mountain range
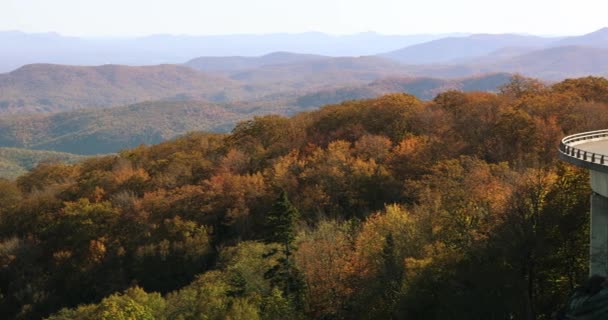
x: 20, y: 48
x: 84, y: 106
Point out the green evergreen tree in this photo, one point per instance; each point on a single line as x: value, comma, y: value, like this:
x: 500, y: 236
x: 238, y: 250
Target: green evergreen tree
x: 391, y: 276
x: 383, y: 293
x: 281, y: 222
x: 280, y: 226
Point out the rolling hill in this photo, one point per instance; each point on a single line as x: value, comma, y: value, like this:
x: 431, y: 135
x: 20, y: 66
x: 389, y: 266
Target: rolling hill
x: 97, y: 131
x: 321, y: 72
x: 48, y: 88
x: 108, y: 130
x: 51, y: 88
x: 424, y: 88
x: 15, y: 162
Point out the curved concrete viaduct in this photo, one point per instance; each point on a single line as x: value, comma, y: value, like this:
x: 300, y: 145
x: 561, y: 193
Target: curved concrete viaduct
x: 590, y: 150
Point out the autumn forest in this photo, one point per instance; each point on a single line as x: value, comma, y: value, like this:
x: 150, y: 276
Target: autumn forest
x: 386, y: 208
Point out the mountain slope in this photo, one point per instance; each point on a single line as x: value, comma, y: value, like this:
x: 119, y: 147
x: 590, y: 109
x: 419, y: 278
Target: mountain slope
x: 15, y: 162
x: 598, y: 38
x: 51, y: 88
x: 558, y: 63
x: 46, y: 87
x: 424, y: 88
x: 321, y: 72
x: 108, y: 130
x: 553, y: 63
x: 448, y: 49
x: 428, y: 88
x: 97, y: 131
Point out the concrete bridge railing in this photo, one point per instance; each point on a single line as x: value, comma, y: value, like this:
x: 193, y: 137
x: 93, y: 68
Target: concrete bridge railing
x: 569, y: 151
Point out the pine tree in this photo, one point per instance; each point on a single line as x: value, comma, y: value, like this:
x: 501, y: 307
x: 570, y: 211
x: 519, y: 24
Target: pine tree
x: 391, y: 273
x: 281, y: 222
x: 384, y: 292
x: 280, y: 225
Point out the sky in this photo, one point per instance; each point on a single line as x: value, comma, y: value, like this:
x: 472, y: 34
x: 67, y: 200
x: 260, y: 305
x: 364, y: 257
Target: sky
x: 206, y: 17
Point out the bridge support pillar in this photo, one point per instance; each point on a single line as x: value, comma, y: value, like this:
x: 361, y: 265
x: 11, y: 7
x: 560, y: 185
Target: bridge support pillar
x: 598, y: 255
x: 590, y: 150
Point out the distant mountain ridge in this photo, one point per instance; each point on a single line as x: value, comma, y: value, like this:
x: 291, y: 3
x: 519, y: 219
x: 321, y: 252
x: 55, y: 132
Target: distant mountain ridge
x: 456, y: 50
x: 240, y: 62
x: 20, y: 48
x: 51, y: 88
x: 452, y: 48
x: 547, y: 58
x: 321, y: 72
x: 552, y: 64
x: 597, y: 38
x: 279, y: 76
x: 557, y: 63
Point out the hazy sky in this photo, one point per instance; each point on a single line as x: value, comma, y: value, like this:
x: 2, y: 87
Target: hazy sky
x: 199, y: 17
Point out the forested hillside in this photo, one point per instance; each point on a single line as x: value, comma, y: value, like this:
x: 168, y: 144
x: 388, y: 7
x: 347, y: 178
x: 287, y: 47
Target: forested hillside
x: 108, y: 130
x: 276, y: 80
x: 422, y: 87
x: 112, y: 129
x: 454, y: 208
x: 49, y: 88
x: 15, y: 162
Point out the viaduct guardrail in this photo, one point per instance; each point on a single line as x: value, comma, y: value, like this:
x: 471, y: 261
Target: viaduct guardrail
x: 569, y: 152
